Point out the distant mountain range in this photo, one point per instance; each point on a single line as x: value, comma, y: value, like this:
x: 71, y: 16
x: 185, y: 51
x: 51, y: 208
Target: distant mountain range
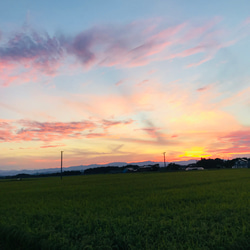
x: 83, y: 167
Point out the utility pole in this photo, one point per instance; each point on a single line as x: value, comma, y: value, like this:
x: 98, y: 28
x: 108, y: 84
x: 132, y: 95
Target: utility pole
x: 164, y: 159
x: 61, y: 163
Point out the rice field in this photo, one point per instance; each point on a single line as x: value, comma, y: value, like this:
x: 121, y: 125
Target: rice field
x: 178, y: 210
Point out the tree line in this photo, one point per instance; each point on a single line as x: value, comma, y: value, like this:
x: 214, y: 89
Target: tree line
x: 132, y: 168
x: 209, y: 164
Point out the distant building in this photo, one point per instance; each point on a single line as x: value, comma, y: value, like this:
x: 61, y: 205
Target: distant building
x: 242, y: 163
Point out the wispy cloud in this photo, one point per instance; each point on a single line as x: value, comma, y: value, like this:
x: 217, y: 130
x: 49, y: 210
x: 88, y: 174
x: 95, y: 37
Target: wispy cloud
x: 49, y: 131
x: 27, y: 130
x: 153, y: 131
x: 110, y: 123
x: 238, y: 138
x: 96, y: 135
x: 119, y: 82
x: 29, y: 50
x: 52, y: 146
x: 32, y: 47
x: 42, y: 131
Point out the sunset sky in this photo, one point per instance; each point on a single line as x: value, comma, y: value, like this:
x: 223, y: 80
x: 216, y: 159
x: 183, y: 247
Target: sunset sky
x: 108, y: 81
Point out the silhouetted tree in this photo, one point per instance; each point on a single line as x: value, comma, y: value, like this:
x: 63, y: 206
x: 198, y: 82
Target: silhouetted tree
x: 173, y: 166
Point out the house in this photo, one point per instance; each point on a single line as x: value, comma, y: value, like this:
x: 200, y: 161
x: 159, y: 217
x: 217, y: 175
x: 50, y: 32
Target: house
x: 242, y: 163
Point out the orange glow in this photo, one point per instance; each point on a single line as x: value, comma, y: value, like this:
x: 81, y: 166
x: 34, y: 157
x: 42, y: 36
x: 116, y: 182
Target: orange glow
x: 195, y: 152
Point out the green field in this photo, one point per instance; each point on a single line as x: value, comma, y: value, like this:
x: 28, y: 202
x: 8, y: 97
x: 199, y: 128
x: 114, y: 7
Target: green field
x: 178, y: 210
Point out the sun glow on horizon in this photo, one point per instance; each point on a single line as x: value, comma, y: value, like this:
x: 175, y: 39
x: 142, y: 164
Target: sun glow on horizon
x: 195, y: 152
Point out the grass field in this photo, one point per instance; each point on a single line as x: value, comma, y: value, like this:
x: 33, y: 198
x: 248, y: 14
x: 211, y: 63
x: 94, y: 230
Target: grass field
x: 178, y: 210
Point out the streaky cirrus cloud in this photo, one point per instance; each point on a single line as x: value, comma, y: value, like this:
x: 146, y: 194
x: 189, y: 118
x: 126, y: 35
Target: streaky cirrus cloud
x: 229, y: 152
x: 52, y: 146
x: 57, y: 127
x: 119, y: 82
x: 96, y: 135
x: 27, y: 130
x: 49, y: 131
x: 5, y: 130
x: 110, y: 123
x: 30, y: 51
x: 238, y: 138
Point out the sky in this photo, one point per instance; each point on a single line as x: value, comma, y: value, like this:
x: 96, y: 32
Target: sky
x: 123, y: 81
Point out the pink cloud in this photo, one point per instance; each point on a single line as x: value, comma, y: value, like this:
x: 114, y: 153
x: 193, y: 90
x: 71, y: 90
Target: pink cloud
x: 191, y: 51
x: 49, y: 131
x: 52, y: 146
x: 197, y: 32
x: 38, y: 131
x: 230, y: 152
x: 5, y: 135
x: 174, y: 136
x: 29, y: 46
x: 206, y: 59
x: 6, y: 130
x: 96, y: 135
x: 231, y: 144
x: 16, y: 77
x: 134, y: 55
x: 26, y: 130
x: 240, y: 138
x: 203, y: 88
x: 132, y: 45
x: 119, y: 82
x: 47, y: 160
x: 154, y: 132
x: 212, y: 48
x: 109, y: 123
